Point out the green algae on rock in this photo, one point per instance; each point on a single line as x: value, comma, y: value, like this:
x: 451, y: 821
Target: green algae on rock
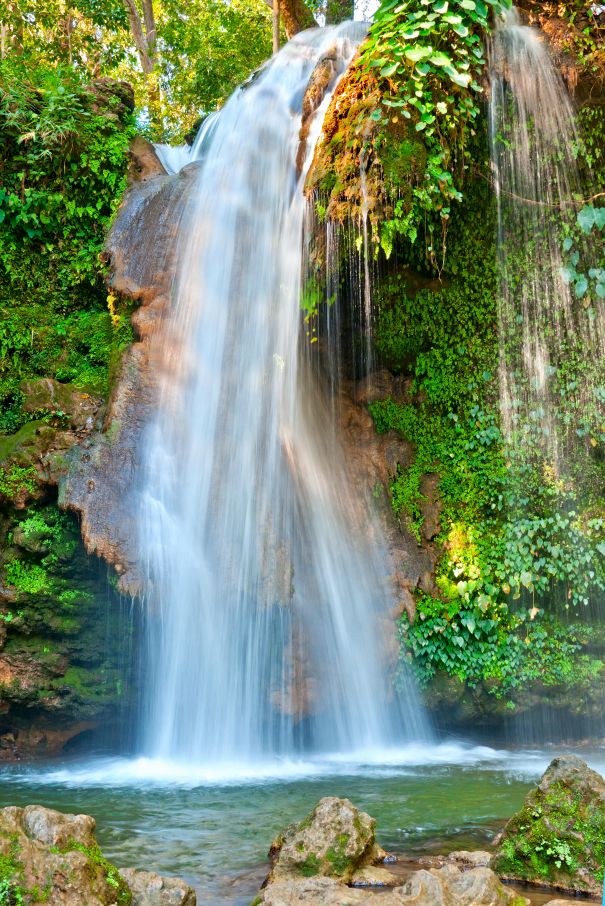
x: 558, y: 837
x: 334, y: 840
x: 50, y: 857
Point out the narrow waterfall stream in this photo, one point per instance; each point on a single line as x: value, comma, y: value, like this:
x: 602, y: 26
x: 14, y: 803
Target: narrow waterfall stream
x: 536, y: 148
x: 267, y: 576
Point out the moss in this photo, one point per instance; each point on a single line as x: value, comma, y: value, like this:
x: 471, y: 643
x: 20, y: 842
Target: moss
x: 122, y: 892
x: 310, y: 867
x: 14, y: 479
x: 11, y: 872
x: 557, y: 833
x: 256, y: 901
x: 340, y: 863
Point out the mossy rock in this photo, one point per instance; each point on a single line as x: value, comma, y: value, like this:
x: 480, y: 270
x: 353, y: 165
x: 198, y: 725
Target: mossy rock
x: 334, y: 840
x: 558, y: 837
x: 49, y: 857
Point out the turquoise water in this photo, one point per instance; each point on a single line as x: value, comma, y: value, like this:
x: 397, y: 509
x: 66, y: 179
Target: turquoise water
x: 213, y: 826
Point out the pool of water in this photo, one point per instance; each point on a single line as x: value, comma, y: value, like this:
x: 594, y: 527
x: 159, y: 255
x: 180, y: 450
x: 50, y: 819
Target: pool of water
x: 213, y: 824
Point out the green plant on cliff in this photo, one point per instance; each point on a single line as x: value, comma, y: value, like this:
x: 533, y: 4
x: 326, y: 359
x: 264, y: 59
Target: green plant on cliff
x: 63, y: 158
x: 519, y: 542
x: 428, y: 56
x: 12, y: 892
x: 123, y: 894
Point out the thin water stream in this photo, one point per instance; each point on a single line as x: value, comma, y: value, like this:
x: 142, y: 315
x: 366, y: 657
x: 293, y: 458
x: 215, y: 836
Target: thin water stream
x: 543, y: 323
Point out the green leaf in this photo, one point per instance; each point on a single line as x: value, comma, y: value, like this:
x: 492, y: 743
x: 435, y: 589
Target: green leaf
x: 586, y: 219
x: 389, y: 70
x: 581, y: 286
x: 416, y: 53
x: 440, y: 59
x: 458, y: 78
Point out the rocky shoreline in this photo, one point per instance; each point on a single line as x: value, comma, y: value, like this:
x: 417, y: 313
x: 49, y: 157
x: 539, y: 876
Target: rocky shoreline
x: 553, y: 848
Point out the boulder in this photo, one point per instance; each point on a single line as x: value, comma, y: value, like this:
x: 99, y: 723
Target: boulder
x: 310, y: 892
x: 151, y: 889
x: 463, y: 858
x: 334, y: 840
x: 558, y: 837
x: 330, y: 857
x: 46, y: 856
x: 45, y: 850
x: 445, y: 887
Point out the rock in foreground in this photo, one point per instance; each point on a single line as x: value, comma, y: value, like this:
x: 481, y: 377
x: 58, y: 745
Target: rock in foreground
x: 558, y: 837
x: 334, y: 840
x: 49, y: 857
x: 438, y: 887
x: 313, y: 862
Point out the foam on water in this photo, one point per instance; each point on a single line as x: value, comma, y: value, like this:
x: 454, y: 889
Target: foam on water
x: 408, y: 760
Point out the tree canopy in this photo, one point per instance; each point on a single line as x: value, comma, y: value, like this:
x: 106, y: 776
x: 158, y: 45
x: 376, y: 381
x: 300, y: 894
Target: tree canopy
x: 182, y: 59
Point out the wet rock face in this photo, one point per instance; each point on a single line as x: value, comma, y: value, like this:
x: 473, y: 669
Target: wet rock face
x: 558, y: 837
x: 100, y: 479
x: 46, y: 856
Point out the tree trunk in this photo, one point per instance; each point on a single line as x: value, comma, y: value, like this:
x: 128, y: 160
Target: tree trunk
x: 295, y: 15
x: 275, y: 26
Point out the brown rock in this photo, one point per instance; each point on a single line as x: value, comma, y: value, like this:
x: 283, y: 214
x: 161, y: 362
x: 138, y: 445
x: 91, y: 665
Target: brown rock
x: 99, y: 480
x: 78, y: 408
x: 144, y: 162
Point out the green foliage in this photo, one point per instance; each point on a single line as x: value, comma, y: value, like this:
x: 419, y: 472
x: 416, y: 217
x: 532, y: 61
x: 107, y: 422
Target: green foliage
x: 428, y: 56
x: 518, y: 540
x: 11, y: 871
x: 202, y: 53
x: 63, y: 161
x: 588, y: 282
x: 123, y: 894
x: 26, y: 577
x: 14, y: 479
x: 310, y: 867
x: 206, y: 54
x: 502, y: 649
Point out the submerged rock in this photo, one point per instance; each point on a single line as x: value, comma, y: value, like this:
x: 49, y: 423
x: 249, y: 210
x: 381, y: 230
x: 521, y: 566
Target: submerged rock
x: 151, y: 889
x: 558, y: 837
x: 47, y: 856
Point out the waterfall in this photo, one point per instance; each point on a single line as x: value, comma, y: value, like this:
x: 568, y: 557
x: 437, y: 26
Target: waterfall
x: 535, y: 145
x: 266, y: 574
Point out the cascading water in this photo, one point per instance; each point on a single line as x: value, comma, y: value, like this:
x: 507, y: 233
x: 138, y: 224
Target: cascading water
x: 542, y: 324
x: 266, y: 574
